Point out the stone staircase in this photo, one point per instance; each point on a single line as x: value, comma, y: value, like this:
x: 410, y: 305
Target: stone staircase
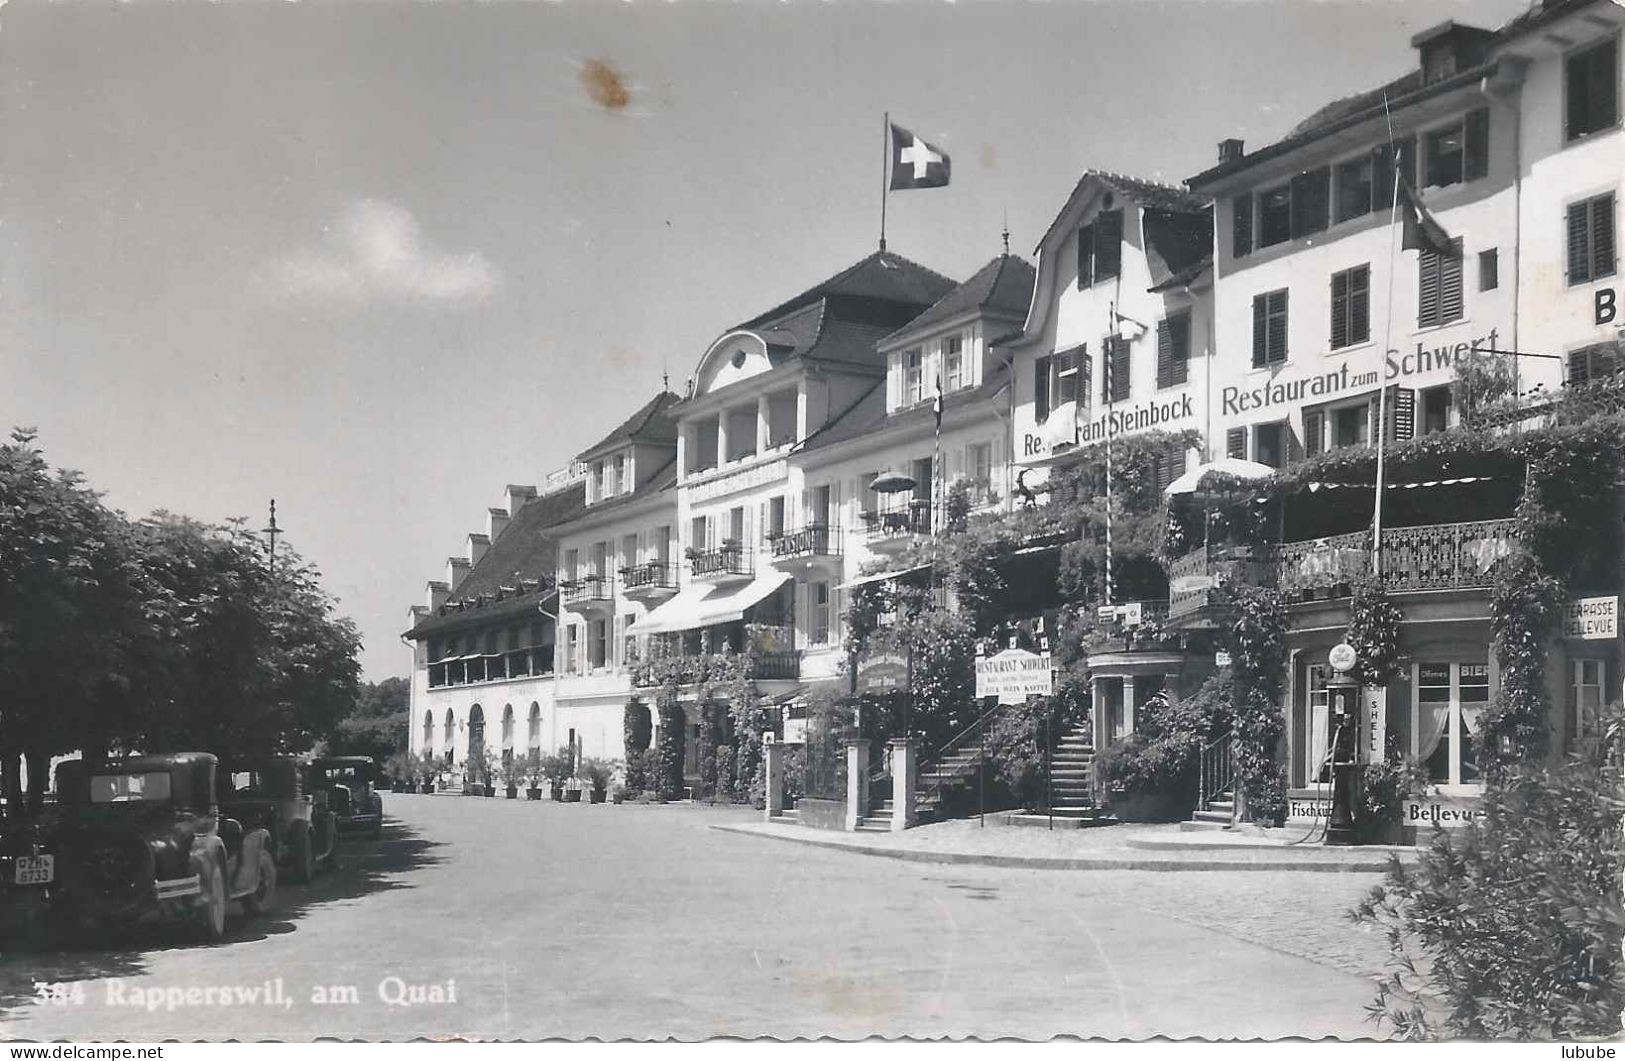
x: 1218, y: 814
x: 878, y: 820
x: 1072, y: 793
x: 956, y: 770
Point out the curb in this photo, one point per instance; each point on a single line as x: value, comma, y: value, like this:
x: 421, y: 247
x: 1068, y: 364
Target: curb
x: 961, y: 858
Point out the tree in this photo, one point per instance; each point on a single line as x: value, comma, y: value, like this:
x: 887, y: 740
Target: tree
x: 377, y: 725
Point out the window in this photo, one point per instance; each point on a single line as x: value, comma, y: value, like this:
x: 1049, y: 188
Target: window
x: 1114, y: 380
x: 1354, y: 188
x: 1314, y: 432
x: 736, y: 525
x: 661, y: 544
x: 1435, y: 409
x: 1269, y: 444
x: 1450, y: 699
x: 572, y: 564
x: 699, y: 534
x: 979, y: 465
x: 1459, y: 151
x: 775, y: 516
x: 572, y: 648
x: 953, y: 362
x: 1066, y: 368
x: 1585, y: 702
x: 1041, y: 373
x: 1241, y: 226
x: 600, y: 555
x: 821, y: 507
x: 819, y: 632
x: 602, y: 469
x: 1351, y: 307
x: 1438, y: 298
x: 1275, y: 216
x: 534, y: 729
x: 629, y: 550
x: 1591, y: 239
x: 1269, y: 328
x: 1594, y: 362
x: 1173, y: 350
x: 1382, y: 170
x: 1317, y: 766
x: 1235, y: 443
x: 913, y: 377
x: 1351, y: 425
x: 1165, y: 468
x: 1100, y: 248
x: 597, y: 644
x: 1311, y: 200
x: 1489, y: 269
x: 1591, y: 89
x: 620, y: 483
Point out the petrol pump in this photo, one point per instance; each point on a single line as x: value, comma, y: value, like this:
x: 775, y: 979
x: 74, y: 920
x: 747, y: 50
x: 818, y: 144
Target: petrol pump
x: 1343, y: 696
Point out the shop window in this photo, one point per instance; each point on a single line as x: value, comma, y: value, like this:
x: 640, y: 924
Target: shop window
x: 1591, y: 89
x: 1351, y: 307
x: 1269, y: 444
x: 1317, y: 765
x: 1450, y: 699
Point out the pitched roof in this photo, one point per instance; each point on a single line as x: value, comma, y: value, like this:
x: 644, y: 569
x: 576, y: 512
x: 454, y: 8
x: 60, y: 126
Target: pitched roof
x: 1004, y: 284
x: 649, y: 424
x: 524, y: 553
x: 1538, y: 14
x: 882, y: 276
x: 1150, y: 195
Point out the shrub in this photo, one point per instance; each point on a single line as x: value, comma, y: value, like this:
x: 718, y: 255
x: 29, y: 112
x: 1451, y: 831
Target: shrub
x: 639, y: 772
x: 1157, y: 766
x: 725, y: 774
x: 636, y: 726
x: 668, y: 780
x: 1511, y: 927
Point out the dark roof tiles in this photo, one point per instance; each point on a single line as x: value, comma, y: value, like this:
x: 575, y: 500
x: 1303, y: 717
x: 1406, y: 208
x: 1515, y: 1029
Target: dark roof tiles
x: 1004, y: 284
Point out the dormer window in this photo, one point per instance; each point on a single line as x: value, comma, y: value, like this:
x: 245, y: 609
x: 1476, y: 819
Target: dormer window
x: 953, y: 363
x: 913, y: 377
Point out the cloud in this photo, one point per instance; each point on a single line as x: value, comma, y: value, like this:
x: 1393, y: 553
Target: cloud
x: 376, y: 253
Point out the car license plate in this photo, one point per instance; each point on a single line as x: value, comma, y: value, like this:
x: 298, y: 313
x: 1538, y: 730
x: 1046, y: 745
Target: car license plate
x: 36, y: 869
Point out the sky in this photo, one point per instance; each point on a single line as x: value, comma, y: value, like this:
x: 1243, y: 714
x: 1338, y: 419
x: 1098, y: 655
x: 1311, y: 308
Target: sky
x: 378, y: 259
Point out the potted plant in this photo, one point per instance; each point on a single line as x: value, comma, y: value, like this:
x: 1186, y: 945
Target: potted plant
x: 617, y: 794
x: 597, y: 775
x: 513, y: 771
x: 488, y: 772
x: 534, y: 773
x: 572, y: 790
x: 563, y: 767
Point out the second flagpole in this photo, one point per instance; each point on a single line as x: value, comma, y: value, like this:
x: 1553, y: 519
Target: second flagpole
x: 885, y: 157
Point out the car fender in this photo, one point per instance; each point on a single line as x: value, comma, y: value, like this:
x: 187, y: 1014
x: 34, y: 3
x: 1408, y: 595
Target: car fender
x: 248, y: 865
x: 207, y: 857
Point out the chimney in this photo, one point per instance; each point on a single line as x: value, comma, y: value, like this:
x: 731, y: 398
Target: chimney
x: 496, y: 519
x: 477, y: 544
x: 415, y: 615
x: 518, y: 496
x: 437, y: 592
x: 1230, y: 150
x: 456, y: 569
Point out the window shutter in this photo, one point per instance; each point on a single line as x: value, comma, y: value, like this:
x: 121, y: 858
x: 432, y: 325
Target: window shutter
x: 1180, y: 459
x: 1235, y: 443
x: 1602, y: 236
x: 1579, y: 249
x: 1260, y: 330
x: 1427, y: 296
x: 1241, y: 226
x: 1579, y: 367
x: 1340, y: 310
x: 1450, y: 299
x: 1181, y: 326
x: 1314, y: 432
x: 1121, y: 385
x: 1401, y: 414
x: 1276, y: 338
x: 1086, y: 256
x: 1108, y: 244
x: 1476, y: 162
x: 1360, y: 304
x: 1041, y: 388
x: 1165, y: 353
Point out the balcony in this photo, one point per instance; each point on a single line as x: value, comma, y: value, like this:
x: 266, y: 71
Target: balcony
x: 777, y: 665
x: 585, y: 594
x: 650, y: 582
x: 1443, y: 556
x: 891, y: 530
x: 811, y: 544
x: 719, y: 567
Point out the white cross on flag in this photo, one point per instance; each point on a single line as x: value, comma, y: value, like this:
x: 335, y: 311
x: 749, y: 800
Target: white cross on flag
x: 915, y: 163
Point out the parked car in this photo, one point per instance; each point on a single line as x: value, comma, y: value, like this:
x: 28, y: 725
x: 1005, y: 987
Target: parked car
x: 270, y: 794
x: 27, y: 869
x: 142, y: 838
x: 348, y: 782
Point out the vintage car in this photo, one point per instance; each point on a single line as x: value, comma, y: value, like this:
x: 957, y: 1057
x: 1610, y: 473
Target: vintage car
x: 348, y: 782
x: 27, y: 869
x: 142, y: 838
x: 270, y: 794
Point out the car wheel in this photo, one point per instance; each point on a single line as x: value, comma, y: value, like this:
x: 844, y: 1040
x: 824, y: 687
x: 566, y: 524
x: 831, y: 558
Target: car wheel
x: 264, y: 894
x: 212, y: 914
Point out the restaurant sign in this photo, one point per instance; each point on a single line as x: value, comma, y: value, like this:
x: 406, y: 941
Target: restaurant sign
x: 1013, y: 675
x: 881, y: 673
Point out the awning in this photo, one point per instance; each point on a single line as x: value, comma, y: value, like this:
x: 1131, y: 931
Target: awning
x: 1459, y: 480
x: 864, y: 580
x: 697, y: 606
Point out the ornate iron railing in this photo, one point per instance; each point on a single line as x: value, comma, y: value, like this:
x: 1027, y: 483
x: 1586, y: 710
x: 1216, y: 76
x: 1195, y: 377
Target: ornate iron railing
x: 730, y: 560
x: 815, y: 539
x: 584, y: 589
x: 653, y: 574
x: 900, y: 522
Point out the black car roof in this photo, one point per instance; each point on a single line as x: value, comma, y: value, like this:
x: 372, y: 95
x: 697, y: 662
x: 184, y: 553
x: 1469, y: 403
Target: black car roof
x: 156, y: 761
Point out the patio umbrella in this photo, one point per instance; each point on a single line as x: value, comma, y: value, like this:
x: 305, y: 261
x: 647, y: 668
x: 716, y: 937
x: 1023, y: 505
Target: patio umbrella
x: 892, y: 483
x: 1233, y: 466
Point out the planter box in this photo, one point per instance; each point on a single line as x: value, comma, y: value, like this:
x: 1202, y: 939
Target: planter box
x: 513, y: 792
x: 533, y: 793
x: 558, y: 794
x: 572, y: 795
x: 598, y: 796
x: 490, y: 790
x: 620, y: 797
x: 1148, y: 808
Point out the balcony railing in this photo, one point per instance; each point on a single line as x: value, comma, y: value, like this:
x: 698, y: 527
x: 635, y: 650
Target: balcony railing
x: 1431, y: 557
x: 654, y: 574
x: 776, y: 665
x: 729, y: 560
x: 898, y: 523
x: 815, y: 539
x: 584, y: 590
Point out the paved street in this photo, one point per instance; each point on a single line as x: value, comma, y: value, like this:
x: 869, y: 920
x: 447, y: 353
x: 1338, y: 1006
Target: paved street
x: 640, y: 921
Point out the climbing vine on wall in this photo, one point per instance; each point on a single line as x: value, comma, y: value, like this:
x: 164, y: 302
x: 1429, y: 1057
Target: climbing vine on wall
x: 669, y: 756
x: 1374, y: 634
x: 1255, y: 631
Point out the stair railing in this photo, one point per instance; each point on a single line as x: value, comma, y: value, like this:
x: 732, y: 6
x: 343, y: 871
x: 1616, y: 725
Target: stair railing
x: 975, y: 733
x: 1217, y: 771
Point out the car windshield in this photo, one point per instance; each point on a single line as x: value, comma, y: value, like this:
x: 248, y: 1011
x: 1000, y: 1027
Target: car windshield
x: 130, y: 788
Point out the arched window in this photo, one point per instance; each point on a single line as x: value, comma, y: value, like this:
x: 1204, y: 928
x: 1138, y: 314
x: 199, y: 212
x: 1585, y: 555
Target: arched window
x: 428, y: 731
x: 535, y: 734
x: 507, y: 727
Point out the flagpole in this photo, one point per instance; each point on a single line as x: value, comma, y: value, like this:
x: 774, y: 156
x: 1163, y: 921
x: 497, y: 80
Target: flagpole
x: 885, y: 157
x: 1387, y: 334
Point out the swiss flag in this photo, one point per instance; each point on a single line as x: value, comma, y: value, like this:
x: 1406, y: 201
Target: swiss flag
x: 915, y: 163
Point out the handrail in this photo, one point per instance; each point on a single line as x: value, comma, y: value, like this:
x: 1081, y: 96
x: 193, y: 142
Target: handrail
x: 1215, y: 770
x: 975, y: 728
